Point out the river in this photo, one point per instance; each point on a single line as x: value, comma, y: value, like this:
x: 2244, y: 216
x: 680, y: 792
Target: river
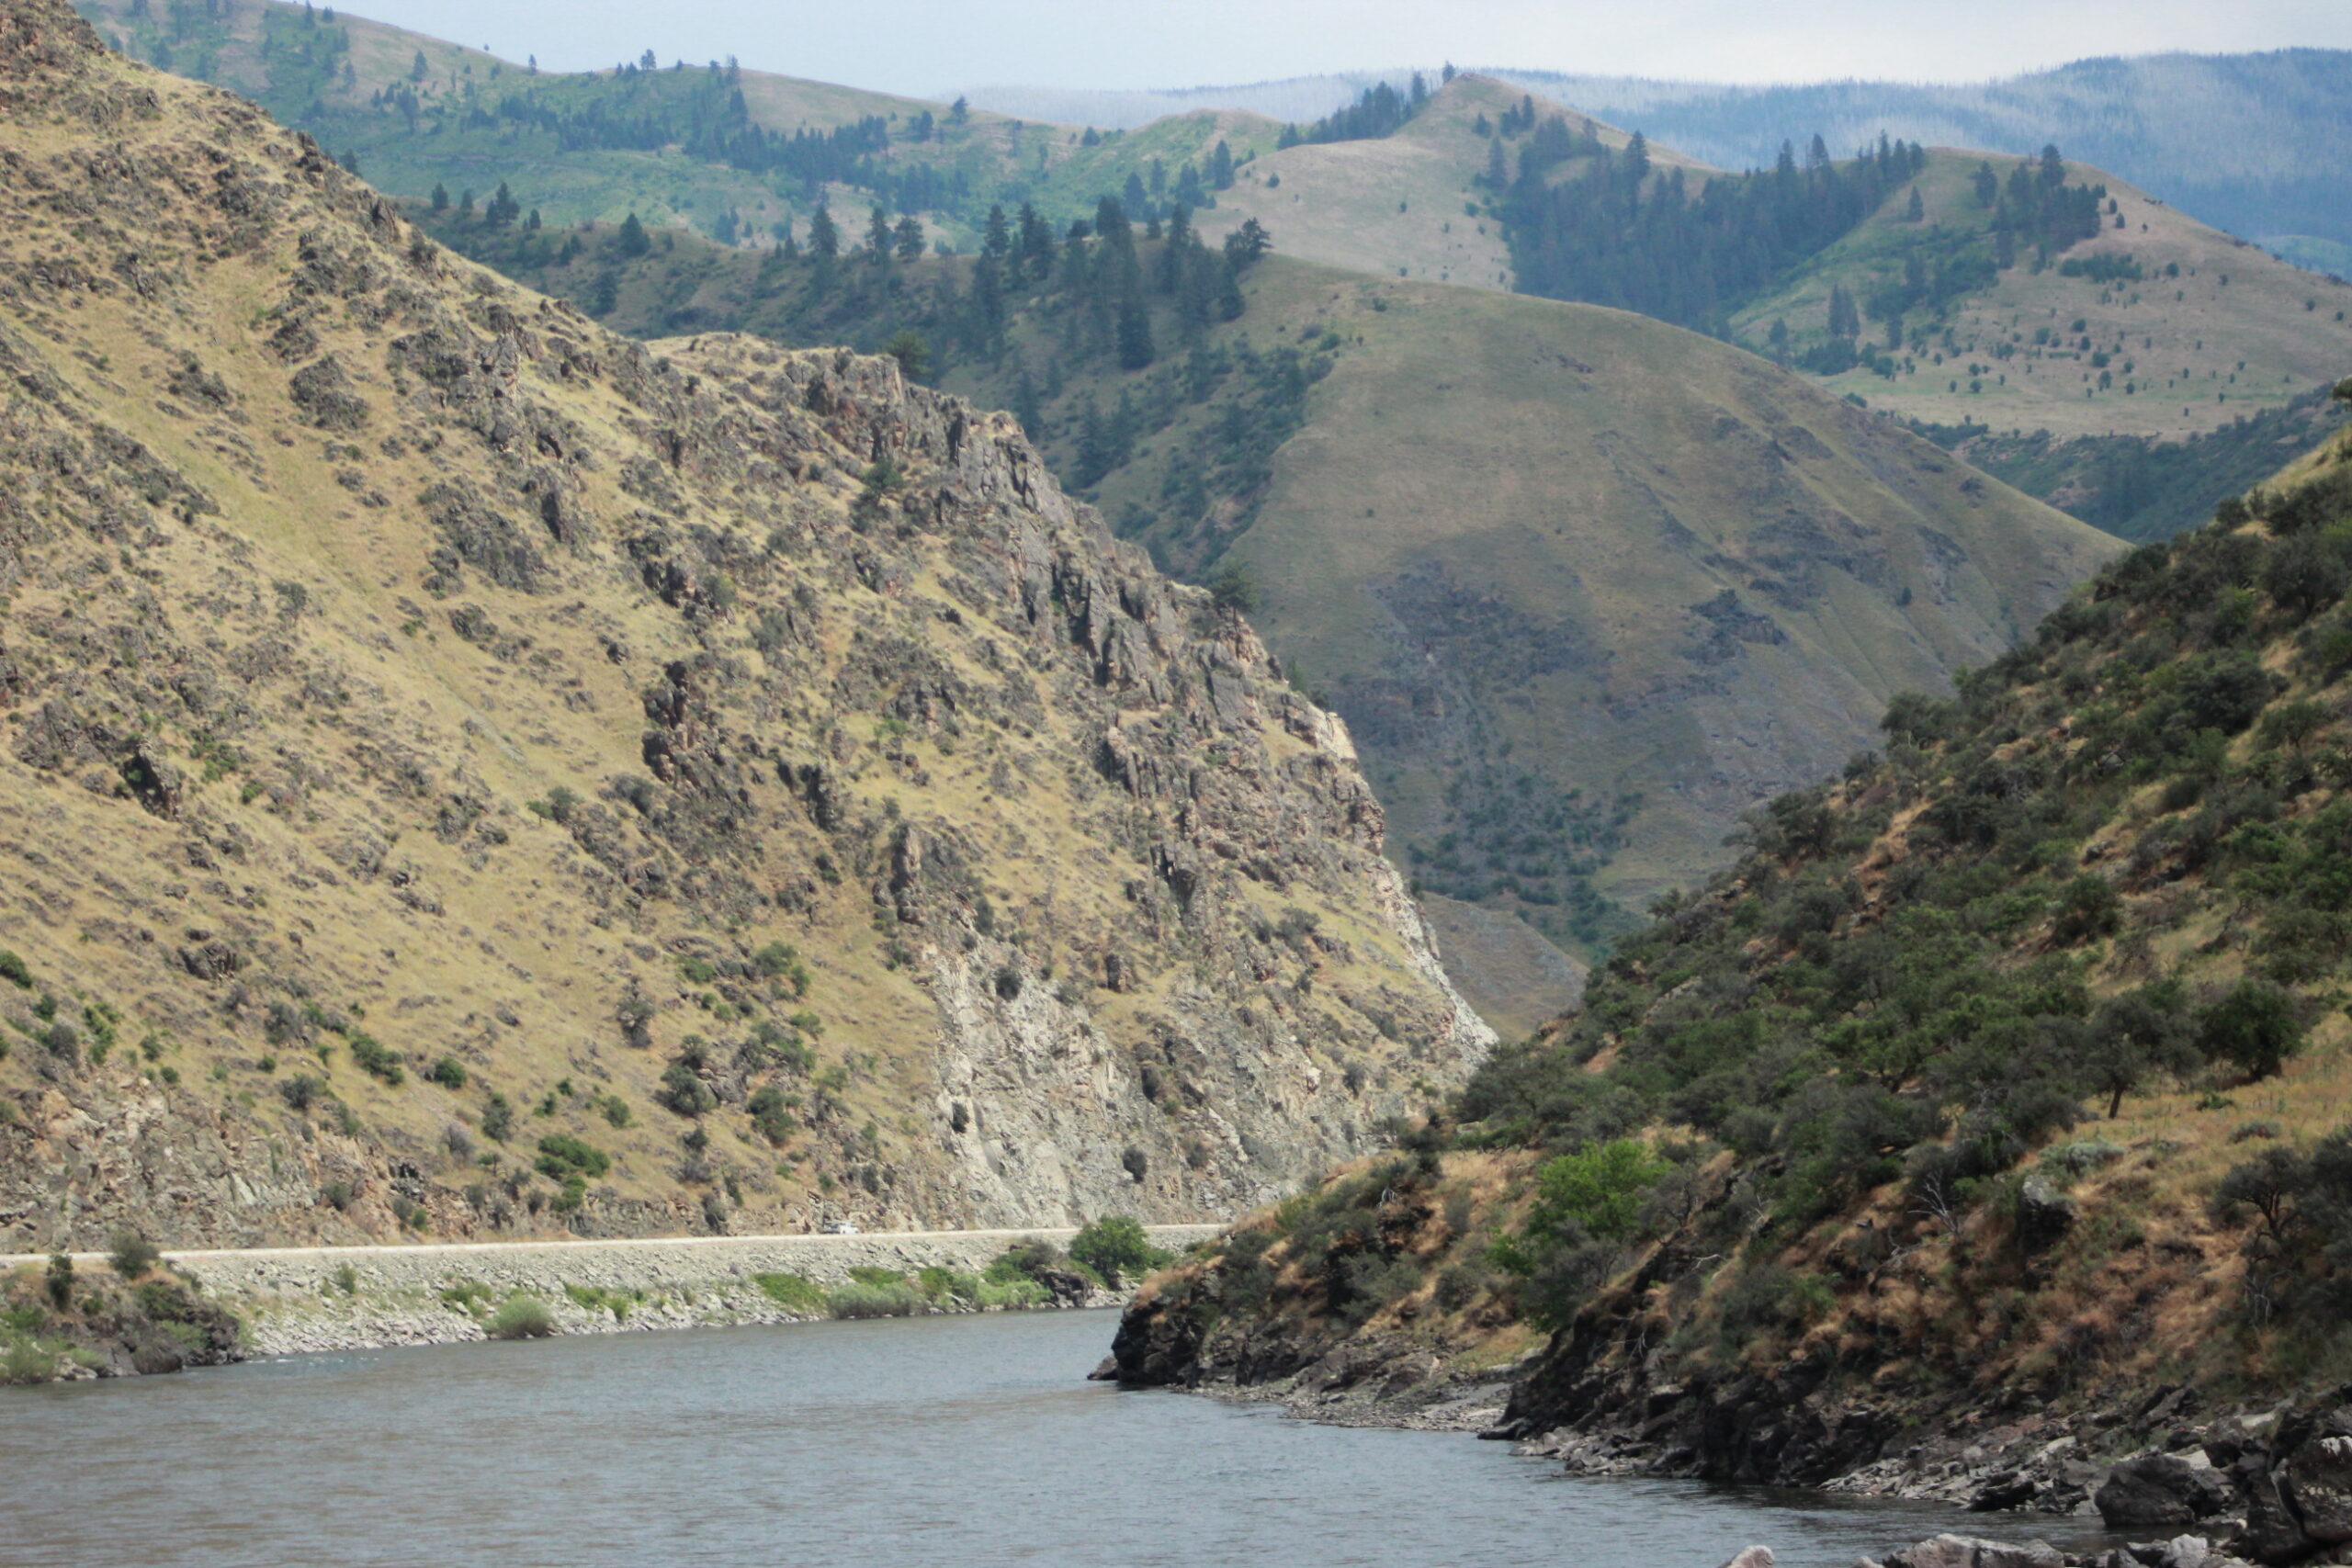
x: 901, y: 1443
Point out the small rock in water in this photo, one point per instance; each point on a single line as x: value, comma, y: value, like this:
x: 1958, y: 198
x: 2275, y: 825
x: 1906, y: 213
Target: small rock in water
x: 1754, y: 1557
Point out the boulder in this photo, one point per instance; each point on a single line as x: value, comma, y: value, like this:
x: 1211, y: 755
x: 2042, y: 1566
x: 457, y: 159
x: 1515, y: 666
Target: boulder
x: 2272, y: 1534
x: 2319, y: 1482
x: 2161, y: 1489
x: 1754, y: 1557
x: 1966, y: 1551
x: 2045, y: 1215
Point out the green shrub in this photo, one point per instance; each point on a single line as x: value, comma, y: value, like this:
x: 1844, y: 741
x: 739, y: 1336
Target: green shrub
x: 24, y: 1360
x: 1115, y: 1247
x: 563, y: 1157
x: 792, y: 1291
x: 867, y: 1274
x: 467, y: 1296
x: 497, y: 1117
x: 14, y: 971
x: 596, y: 1298
x: 1599, y: 1189
x: 1005, y: 1295
x: 521, y: 1317
x: 2254, y: 1026
x: 374, y: 1057
x: 858, y: 1300
x: 448, y: 1072
x: 133, y: 1256
x: 771, y: 1114
x: 683, y: 1091
x: 59, y: 1281
x: 948, y: 1285
x: 2088, y: 907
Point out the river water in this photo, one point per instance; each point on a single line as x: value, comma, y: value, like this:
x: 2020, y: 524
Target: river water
x: 901, y: 1443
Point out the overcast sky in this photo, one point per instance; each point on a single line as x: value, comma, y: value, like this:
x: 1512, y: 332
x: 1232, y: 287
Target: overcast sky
x: 928, y: 47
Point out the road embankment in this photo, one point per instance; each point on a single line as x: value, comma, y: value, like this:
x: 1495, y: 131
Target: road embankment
x: 340, y: 1298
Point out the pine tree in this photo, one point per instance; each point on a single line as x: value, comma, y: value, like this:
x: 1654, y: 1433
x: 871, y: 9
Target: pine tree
x: 1136, y: 347
x: 824, y: 237
x: 1845, y: 322
x: 1221, y: 167
x: 633, y: 241
x: 910, y: 237
x: 417, y: 69
x: 1093, y: 445
x: 440, y: 196
x: 1027, y: 409
x: 1916, y: 210
x: 997, y: 239
x: 1036, y: 243
x: 1246, y: 244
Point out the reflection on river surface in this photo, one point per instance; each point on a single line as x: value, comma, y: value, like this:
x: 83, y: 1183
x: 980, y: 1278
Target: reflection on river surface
x: 962, y: 1441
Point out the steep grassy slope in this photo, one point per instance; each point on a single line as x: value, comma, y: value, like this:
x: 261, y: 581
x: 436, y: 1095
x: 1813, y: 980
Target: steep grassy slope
x: 666, y: 142
x: 2166, y: 328
x: 1997, y: 1096
x: 1585, y: 586
x: 468, y: 771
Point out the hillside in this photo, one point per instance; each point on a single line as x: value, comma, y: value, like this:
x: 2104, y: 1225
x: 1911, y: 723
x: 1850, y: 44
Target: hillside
x: 466, y: 771
x: 742, y: 155
x: 2256, y: 143
x: 2159, y: 326
x: 1459, y: 515
x: 1411, y: 204
x: 1985, y: 1123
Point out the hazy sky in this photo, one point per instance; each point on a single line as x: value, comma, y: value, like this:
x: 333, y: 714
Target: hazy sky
x: 928, y: 46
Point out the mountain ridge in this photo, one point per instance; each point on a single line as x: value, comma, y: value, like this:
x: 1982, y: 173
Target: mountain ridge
x: 469, y: 772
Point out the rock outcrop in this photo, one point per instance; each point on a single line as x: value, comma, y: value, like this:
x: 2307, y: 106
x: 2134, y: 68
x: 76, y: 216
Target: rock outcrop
x: 461, y: 769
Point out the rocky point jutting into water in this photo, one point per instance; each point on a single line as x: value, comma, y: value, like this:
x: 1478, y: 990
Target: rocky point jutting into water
x: 463, y: 771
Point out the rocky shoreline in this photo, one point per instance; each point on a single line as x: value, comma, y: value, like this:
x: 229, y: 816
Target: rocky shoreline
x: 2267, y: 1483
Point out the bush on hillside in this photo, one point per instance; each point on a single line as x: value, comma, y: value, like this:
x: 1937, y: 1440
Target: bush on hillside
x: 133, y: 1256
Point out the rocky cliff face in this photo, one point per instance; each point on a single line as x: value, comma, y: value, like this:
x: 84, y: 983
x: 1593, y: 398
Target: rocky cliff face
x: 468, y: 771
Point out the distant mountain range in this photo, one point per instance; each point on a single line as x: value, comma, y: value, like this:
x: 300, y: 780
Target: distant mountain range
x: 2259, y: 144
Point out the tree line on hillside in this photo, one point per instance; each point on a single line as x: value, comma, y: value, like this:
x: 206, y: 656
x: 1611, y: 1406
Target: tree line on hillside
x: 1617, y: 232
x: 1381, y: 111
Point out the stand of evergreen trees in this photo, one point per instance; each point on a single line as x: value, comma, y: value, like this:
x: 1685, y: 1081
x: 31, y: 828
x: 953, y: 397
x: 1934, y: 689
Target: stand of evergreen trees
x: 1617, y: 233
x: 1380, y: 112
